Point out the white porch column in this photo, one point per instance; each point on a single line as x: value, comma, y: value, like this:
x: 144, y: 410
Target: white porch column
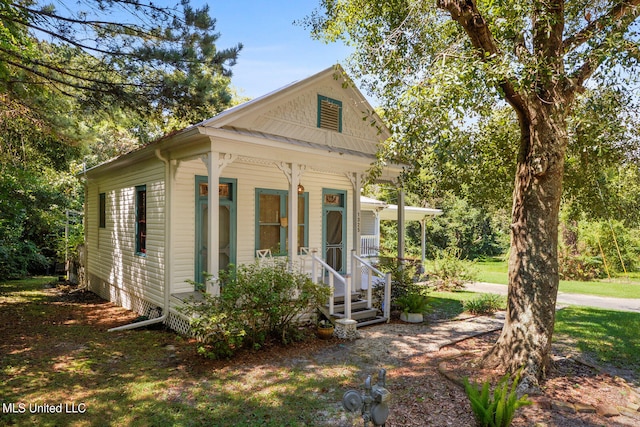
x: 293, y: 172
x: 292, y: 229
x: 400, y: 223
x: 356, y: 214
x: 215, y: 163
x: 213, y: 237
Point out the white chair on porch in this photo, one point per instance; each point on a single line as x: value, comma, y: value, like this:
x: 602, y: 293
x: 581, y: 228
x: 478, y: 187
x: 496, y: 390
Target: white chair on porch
x: 264, y: 256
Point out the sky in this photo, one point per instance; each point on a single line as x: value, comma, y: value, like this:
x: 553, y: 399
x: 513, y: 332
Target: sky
x: 276, y: 52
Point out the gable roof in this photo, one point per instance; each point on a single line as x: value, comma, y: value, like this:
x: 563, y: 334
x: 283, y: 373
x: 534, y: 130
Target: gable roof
x: 286, y: 117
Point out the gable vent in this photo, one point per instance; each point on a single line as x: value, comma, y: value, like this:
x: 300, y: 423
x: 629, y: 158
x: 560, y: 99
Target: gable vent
x: 329, y: 114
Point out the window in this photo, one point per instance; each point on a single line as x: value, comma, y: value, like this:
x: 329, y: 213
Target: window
x: 272, y: 222
x: 329, y: 114
x: 103, y: 210
x: 141, y: 219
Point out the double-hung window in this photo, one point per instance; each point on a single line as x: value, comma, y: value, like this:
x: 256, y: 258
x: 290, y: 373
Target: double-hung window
x: 141, y: 219
x: 272, y: 221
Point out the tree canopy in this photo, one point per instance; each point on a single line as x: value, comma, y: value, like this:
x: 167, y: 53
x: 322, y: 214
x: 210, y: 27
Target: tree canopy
x: 446, y: 69
x: 132, y: 54
x: 81, y: 83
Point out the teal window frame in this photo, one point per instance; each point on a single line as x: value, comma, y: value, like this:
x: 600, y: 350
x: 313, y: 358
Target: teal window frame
x: 141, y: 220
x: 332, y: 101
x: 284, y: 195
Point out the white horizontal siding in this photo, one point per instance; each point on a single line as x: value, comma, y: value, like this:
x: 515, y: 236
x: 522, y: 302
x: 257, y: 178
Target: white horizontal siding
x: 111, y: 250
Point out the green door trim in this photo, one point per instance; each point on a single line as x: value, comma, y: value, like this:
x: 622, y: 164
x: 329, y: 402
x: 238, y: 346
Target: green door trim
x: 333, y: 208
x: 231, y: 203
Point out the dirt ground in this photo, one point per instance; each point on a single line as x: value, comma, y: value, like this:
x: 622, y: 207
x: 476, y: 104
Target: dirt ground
x: 424, y: 386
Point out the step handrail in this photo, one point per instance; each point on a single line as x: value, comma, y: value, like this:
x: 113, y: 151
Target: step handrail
x: 333, y: 275
x: 386, y: 303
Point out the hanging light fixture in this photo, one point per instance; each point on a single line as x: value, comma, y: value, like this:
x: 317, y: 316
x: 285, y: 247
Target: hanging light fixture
x: 300, y: 189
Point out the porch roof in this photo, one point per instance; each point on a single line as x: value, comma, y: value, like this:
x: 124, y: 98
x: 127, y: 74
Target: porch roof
x: 390, y: 212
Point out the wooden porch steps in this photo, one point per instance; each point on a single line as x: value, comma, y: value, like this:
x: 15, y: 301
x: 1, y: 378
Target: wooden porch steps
x: 359, y: 311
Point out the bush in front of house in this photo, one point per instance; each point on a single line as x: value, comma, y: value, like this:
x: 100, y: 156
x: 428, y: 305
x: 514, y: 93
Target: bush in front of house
x: 257, y: 302
x: 484, y: 304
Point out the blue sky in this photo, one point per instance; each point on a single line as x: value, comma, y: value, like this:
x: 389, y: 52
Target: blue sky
x: 276, y: 52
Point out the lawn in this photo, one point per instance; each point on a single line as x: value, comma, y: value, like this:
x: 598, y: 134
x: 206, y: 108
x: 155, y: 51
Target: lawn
x: 622, y: 287
x: 607, y: 336
x: 56, y: 351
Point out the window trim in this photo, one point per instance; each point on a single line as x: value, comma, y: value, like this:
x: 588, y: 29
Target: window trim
x: 140, y: 240
x: 322, y: 98
x: 102, y: 210
x: 284, y: 205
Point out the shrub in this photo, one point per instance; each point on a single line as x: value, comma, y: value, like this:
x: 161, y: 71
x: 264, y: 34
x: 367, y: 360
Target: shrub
x: 450, y: 273
x: 497, y: 410
x: 485, y: 304
x: 413, y: 303
x: 403, y: 280
x: 256, y: 302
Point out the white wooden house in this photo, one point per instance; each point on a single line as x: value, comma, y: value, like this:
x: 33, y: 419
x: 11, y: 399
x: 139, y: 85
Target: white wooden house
x: 296, y: 156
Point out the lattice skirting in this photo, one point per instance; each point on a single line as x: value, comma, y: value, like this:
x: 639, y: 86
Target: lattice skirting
x: 105, y: 290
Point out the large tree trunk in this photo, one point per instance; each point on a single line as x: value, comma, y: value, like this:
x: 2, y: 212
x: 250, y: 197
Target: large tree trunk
x: 525, y: 341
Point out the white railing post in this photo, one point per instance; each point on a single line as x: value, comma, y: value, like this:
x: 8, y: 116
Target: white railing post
x: 314, y: 268
x: 347, y: 298
x: 387, y: 296
x: 369, y: 288
x: 331, y: 295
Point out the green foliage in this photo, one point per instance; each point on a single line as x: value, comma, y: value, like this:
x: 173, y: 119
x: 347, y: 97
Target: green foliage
x: 257, y: 302
x: 497, y: 409
x: 450, y: 272
x: 403, y: 280
x: 151, y: 59
x: 471, y: 231
x: 590, y: 249
x: 413, y: 302
x: 485, y: 304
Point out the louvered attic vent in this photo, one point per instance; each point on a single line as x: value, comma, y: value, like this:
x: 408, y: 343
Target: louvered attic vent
x: 329, y: 114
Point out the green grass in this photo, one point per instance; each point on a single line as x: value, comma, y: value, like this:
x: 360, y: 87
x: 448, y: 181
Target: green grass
x: 626, y: 287
x: 55, y: 351
x: 609, y: 336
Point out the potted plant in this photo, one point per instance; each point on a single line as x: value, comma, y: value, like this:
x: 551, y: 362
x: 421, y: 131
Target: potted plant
x: 325, y: 329
x: 413, y: 306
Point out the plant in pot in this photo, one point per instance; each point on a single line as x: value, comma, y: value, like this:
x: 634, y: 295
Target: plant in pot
x: 413, y: 306
x: 325, y: 329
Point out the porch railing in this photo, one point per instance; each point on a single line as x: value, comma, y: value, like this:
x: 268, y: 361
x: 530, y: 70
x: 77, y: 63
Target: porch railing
x: 373, y: 276
x: 320, y: 270
x: 361, y: 272
x: 369, y: 245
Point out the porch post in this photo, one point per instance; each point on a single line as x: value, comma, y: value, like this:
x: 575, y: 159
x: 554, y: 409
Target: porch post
x: 423, y: 226
x: 213, y: 238
x: 292, y: 229
x: 356, y: 282
x: 400, y: 224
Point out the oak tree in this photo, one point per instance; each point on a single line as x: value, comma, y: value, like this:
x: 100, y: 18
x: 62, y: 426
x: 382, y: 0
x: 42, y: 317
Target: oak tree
x: 440, y: 66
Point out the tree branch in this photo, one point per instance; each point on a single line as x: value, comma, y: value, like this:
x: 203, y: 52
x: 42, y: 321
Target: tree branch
x: 628, y: 9
x: 466, y: 13
x: 625, y: 14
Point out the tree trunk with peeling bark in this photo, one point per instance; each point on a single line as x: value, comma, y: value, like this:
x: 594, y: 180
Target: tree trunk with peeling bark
x: 525, y: 341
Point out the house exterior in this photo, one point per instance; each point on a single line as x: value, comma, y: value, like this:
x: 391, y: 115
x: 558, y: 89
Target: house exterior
x: 286, y: 172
